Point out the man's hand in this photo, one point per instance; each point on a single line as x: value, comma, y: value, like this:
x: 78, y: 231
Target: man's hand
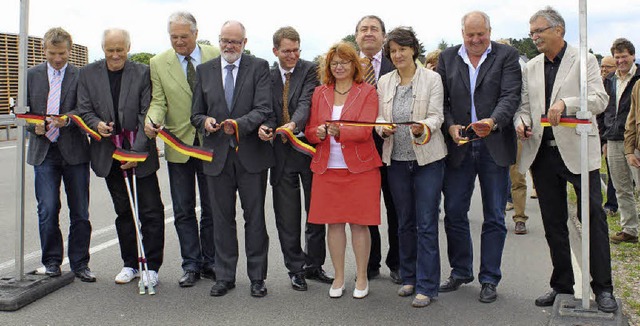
x: 128, y: 165
x: 40, y: 129
x: 210, y: 125
x: 604, y: 150
x: 265, y: 133
x: 389, y: 130
x: 290, y: 125
x: 483, y: 127
x: 417, y: 129
x: 633, y: 160
x: 454, y: 132
x: 321, y: 132
x: 522, y: 134
x: 105, y: 129
x: 228, y: 127
x: 57, y: 122
x: 555, y: 112
x: 150, y: 130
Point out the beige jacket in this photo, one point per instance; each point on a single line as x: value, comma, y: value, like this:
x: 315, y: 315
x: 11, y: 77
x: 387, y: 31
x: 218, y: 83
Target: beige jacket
x: 428, y: 96
x: 631, y: 134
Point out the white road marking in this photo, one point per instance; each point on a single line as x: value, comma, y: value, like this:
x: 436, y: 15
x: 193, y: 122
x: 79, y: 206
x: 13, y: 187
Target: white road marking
x: 8, y: 147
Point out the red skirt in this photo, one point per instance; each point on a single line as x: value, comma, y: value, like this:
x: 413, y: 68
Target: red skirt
x: 339, y: 196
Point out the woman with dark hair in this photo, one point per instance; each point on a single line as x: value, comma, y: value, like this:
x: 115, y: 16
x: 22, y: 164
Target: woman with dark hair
x: 346, y: 180
x: 414, y: 152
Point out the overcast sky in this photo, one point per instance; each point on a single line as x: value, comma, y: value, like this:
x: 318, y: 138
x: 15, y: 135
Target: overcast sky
x: 320, y: 23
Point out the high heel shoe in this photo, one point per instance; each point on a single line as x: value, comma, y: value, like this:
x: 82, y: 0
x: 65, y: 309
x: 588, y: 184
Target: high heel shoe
x: 336, y: 293
x: 359, y: 294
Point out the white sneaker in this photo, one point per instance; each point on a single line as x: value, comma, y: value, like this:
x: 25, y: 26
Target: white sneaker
x: 126, y: 275
x: 153, y: 277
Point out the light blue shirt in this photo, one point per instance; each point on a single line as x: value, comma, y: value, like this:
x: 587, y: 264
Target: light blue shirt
x: 50, y: 72
x: 473, y: 75
x: 196, y: 59
x: 224, y: 69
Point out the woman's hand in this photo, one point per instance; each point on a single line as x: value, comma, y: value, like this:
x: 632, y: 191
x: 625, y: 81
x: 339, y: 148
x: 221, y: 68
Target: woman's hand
x: 321, y: 132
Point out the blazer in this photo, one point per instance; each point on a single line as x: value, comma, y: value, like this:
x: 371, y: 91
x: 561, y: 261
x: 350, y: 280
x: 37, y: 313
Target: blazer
x: 251, y: 107
x: 72, y: 142
x: 496, y: 95
x: 426, y: 108
x: 95, y: 104
x: 171, y: 97
x: 566, y: 88
x: 358, y: 147
x: 303, y: 81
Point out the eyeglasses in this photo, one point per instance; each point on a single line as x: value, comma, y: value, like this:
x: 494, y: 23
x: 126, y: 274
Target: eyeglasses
x: 539, y: 31
x: 343, y: 64
x: 289, y: 52
x: 224, y: 42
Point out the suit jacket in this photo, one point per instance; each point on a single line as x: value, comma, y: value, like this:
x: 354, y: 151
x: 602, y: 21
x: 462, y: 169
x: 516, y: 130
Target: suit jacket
x: 171, y: 97
x: 72, y: 142
x: 95, y: 104
x: 386, y: 66
x: 358, y: 148
x: 251, y: 107
x: 496, y: 95
x: 566, y: 88
x: 304, y: 80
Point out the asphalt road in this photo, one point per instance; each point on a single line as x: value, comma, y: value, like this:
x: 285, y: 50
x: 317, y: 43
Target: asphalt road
x: 526, y: 268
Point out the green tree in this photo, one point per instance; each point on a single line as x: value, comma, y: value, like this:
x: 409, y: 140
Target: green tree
x: 141, y: 57
x: 443, y: 45
x: 203, y: 42
x: 525, y: 46
x: 351, y: 38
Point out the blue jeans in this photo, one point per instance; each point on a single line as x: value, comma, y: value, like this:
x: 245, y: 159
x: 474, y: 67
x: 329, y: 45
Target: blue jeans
x: 416, y: 195
x: 458, y: 188
x: 48, y: 177
x: 196, y: 247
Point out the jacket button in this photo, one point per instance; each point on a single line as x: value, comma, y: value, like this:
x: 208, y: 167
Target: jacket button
x: 342, y: 146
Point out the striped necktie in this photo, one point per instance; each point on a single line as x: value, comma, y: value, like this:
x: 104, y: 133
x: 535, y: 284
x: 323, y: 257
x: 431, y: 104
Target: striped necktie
x: 53, y: 103
x: 369, y: 72
x: 285, y: 99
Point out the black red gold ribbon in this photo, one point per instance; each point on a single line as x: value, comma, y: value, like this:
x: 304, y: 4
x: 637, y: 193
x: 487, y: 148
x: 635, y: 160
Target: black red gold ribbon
x: 202, y: 153
x: 565, y: 122
x: 39, y: 118
x: 234, y: 124
x: 124, y: 155
x: 386, y: 124
x: 295, y: 142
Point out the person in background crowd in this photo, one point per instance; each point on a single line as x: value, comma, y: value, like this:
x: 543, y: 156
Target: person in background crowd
x: 607, y: 67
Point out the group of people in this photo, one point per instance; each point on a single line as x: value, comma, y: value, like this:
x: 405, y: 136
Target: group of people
x: 372, y: 121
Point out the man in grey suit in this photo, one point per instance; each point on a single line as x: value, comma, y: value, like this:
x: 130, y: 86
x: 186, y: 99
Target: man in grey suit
x: 232, y: 98
x: 482, y: 81
x: 113, y: 98
x: 296, y: 79
x: 59, y: 150
x: 551, y: 86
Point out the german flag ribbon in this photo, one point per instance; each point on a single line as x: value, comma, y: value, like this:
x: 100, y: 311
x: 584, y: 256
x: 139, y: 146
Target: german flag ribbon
x: 31, y: 118
x: 234, y: 124
x: 385, y: 124
x: 295, y: 142
x: 39, y: 118
x: 565, y: 122
x: 174, y: 142
x: 124, y: 155
x: 82, y: 125
x: 469, y: 132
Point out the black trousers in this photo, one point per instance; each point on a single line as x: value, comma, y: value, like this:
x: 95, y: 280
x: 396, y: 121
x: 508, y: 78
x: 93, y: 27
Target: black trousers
x: 550, y: 176
x: 393, y: 255
x: 252, y: 189
x: 150, y: 210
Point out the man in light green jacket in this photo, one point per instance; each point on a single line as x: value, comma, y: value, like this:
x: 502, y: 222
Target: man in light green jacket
x: 173, y: 79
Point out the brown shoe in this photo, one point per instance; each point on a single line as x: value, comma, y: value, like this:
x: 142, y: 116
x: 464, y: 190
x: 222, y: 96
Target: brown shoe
x: 623, y: 237
x: 521, y: 228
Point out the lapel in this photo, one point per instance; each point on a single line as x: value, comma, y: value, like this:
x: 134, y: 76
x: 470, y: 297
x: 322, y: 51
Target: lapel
x: 69, y: 75
x: 242, y: 72
x: 125, y: 88
x: 351, y: 98
x: 463, y: 70
x: 175, y: 71
x: 486, y: 65
x: 218, y: 85
x: 536, y: 94
x: 295, y: 82
x: 105, y: 90
x: 278, y: 87
x: 563, y: 71
x: 43, y: 79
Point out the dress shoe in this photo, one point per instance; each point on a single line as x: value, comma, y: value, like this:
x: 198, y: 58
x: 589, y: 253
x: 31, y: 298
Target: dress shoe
x: 336, y: 293
x: 208, y: 273
x: 547, y: 299
x: 360, y: 294
x: 221, y: 288
x: 488, y: 293
x: 623, y: 237
x: 520, y: 228
x: 421, y: 301
x: 189, y: 279
x: 258, y: 289
x: 373, y: 273
x: 298, y: 283
x: 53, y: 270
x: 85, y: 275
x: 395, y: 277
x: 452, y: 284
x: 318, y: 274
x: 606, y: 302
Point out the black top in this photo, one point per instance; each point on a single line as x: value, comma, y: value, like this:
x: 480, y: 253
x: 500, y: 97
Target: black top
x: 115, y: 80
x: 550, y: 72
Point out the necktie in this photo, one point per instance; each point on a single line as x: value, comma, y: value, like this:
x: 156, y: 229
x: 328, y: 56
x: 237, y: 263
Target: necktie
x: 191, y: 73
x: 228, y: 86
x: 53, y: 103
x: 370, y: 73
x: 285, y: 99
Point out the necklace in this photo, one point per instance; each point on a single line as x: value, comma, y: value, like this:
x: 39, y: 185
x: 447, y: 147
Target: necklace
x: 342, y: 93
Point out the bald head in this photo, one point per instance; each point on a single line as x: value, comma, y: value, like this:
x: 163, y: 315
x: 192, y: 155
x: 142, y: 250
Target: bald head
x: 607, y: 66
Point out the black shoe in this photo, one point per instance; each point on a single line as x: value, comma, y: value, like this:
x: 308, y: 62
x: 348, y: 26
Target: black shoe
x: 488, y: 293
x: 298, y: 283
x: 547, y: 299
x: 452, y: 284
x: 208, y: 273
x: 221, y: 288
x: 189, y: 279
x: 53, y: 270
x: 395, y: 277
x: 606, y: 302
x: 258, y: 289
x: 318, y: 274
x: 85, y: 275
x: 373, y: 273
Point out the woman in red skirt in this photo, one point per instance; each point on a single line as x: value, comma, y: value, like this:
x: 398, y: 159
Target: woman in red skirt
x: 346, y: 181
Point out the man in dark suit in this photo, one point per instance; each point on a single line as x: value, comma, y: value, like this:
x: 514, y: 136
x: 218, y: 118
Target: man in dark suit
x: 482, y: 81
x: 113, y: 98
x: 370, y: 32
x: 232, y: 99
x: 296, y: 79
x: 59, y: 151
